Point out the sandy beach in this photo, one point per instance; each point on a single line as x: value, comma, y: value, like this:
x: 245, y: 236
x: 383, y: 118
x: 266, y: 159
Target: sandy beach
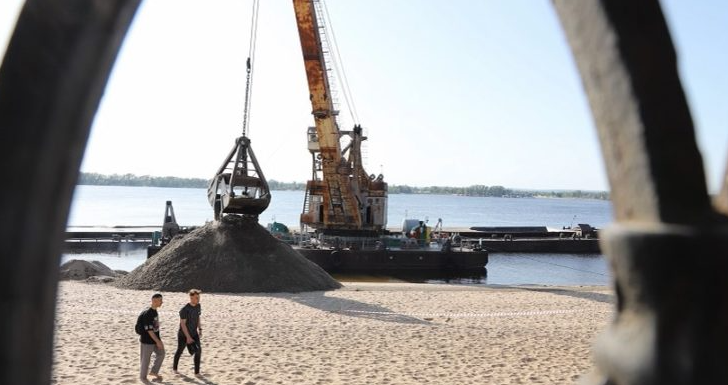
x: 365, y: 333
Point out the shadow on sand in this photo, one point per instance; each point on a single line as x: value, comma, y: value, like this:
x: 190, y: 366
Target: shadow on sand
x: 318, y: 300
x: 591, y: 296
x: 191, y: 380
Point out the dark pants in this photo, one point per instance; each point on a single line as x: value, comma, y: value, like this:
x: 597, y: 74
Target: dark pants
x: 182, y: 345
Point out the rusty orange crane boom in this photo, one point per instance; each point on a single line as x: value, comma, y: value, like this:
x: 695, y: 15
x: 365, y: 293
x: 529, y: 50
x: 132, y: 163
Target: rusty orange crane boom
x: 341, y: 198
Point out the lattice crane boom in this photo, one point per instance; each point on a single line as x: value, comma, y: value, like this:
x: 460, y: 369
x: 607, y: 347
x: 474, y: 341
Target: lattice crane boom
x: 341, y: 197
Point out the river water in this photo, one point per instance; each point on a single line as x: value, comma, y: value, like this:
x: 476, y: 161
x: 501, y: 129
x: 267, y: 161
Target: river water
x: 144, y: 206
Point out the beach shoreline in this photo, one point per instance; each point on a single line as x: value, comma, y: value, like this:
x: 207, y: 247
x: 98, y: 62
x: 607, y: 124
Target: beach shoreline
x: 364, y: 333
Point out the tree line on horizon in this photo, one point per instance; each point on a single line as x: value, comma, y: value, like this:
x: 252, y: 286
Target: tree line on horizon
x: 95, y: 179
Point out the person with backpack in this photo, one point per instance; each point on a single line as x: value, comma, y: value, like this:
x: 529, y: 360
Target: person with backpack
x: 147, y: 327
x: 190, y: 331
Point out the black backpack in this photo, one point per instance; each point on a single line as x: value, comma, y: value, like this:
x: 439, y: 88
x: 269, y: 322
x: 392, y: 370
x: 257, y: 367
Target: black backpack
x: 139, y: 327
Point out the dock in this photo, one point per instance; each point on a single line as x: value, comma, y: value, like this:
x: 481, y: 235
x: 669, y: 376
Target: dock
x: 104, y: 239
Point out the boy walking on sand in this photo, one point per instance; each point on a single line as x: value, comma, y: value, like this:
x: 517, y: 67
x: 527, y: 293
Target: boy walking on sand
x: 190, y: 331
x: 151, y: 342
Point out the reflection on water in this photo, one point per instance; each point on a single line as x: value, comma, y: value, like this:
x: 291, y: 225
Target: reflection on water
x: 548, y: 269
x: 502, y: 269
x: 415, y: 277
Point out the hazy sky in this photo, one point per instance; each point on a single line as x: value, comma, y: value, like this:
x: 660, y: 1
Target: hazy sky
x: 450, y: 93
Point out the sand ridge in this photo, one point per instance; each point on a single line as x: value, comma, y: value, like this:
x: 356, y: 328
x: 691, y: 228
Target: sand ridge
x: 365, y: 333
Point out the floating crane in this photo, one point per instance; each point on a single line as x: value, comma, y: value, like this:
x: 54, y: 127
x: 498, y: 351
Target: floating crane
x: 239, y: 186
x: 341, y: 198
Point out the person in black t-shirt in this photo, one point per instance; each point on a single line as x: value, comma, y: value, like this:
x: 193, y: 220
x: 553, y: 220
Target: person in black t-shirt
x: 151, y: 342
x: 190, y: 331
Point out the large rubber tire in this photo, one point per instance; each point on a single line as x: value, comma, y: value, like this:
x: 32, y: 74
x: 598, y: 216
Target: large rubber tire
x: 336, y: 259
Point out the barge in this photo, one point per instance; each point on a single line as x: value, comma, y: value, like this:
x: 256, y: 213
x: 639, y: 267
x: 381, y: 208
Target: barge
x: 447, y: 249
x: 539, y: 245
x: 339, y: 255
x: 391, y: 253
x: 580, y: 239
x: 346, y: 260
x: 127, y: 238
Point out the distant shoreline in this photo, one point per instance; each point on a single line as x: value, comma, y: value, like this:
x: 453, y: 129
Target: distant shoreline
x: 95, y: 179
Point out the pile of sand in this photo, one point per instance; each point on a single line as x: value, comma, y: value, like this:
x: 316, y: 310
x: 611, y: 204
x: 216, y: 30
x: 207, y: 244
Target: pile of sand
x: 80, y: 269
x: 234, y: 255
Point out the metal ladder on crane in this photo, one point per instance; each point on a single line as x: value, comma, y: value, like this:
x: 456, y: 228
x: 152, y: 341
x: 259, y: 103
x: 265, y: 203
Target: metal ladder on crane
x: 326, y: 50
x: 336, y: 195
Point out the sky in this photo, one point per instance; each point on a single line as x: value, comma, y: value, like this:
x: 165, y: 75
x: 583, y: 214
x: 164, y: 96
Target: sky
x: 452, y: 93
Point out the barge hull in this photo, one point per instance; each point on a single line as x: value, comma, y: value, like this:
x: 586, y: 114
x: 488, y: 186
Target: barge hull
x: 559, y: 246
x: 104, y: 246
x: 395, y: 260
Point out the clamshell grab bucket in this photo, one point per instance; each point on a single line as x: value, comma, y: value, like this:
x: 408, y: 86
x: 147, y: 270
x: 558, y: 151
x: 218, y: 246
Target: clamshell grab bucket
x: 239, y: 186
